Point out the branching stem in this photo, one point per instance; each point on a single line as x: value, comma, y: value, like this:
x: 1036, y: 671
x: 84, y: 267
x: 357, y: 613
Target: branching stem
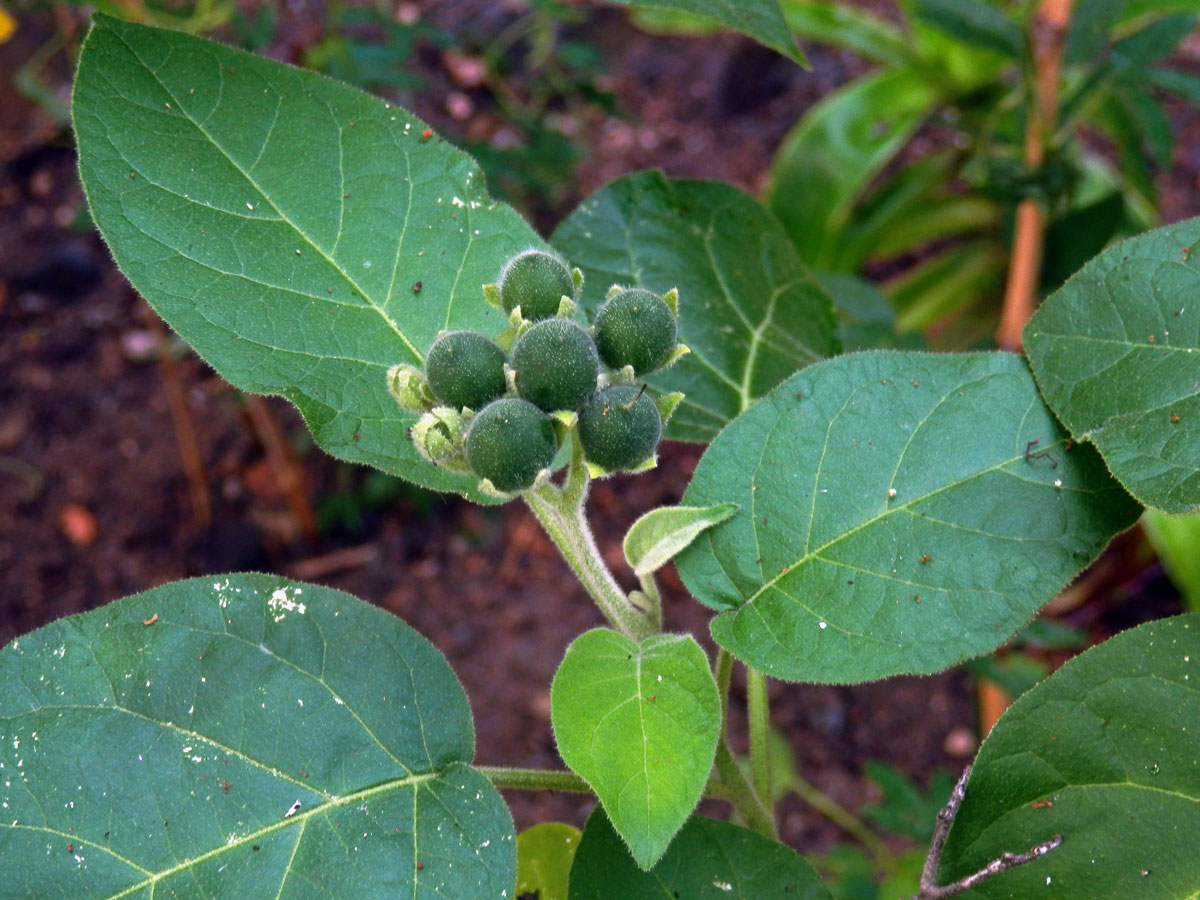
x: 561, y: 513
x: 929, y: 886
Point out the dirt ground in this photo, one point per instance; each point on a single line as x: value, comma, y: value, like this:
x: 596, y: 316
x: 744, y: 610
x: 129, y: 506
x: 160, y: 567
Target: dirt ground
x: 103, y: 416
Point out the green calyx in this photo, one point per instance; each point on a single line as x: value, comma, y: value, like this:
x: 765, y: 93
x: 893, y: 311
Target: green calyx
x: 555, y: 365
x: 465, y: 369
x: 635, y: 327
x: 510, y: 441
x: 620, y: 429
x: 536, y: 282
x: 438, y: 437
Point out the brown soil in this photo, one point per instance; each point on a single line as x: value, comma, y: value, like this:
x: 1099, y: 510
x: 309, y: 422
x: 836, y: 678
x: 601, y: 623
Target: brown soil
x: 97, y: 503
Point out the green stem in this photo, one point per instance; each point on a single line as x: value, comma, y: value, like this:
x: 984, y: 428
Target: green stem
x: 742, y: 795
x: 723, y: 672
x: 561, y: 513
x: 535, y: 779
x: 758, y: 711
x: 843, y: 818
x: 653, y: 600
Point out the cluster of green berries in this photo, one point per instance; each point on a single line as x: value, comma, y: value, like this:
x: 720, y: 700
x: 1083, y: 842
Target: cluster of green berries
x: 502, y: 407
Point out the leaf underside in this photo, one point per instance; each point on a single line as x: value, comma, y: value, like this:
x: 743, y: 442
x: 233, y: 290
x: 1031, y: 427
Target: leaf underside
x: 1116, y: 352
x: 156, y: 747
x: 749, y: 310
x: 301, y: 235
x: 1103, y: 753
x: 899, y: 512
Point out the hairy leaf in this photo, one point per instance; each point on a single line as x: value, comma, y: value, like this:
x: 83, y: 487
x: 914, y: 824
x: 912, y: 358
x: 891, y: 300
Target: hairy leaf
x: 301, y: 235
x: 241, y: 736
x: 639, y: 723
x: 899, y: 512
x: 1116, y: 351
x: 544, y: 856
x: 1103, y: 753
x: 708, y: 860
x: 654, y: 539
x: 749, y: 309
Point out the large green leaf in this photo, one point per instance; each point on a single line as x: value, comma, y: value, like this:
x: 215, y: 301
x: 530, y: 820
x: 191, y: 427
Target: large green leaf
x: 899, y: 512
x: 830, y: 157
x: 301, y: 235
x: 1103, y: 753
x: 759, y: 19
x: 849, y: 28
x: 748, y: 308
x: 1116, y: 352
x: 241, y: 736
x: 639, y: 723
x: 708, y: 860
x: 976, y: 23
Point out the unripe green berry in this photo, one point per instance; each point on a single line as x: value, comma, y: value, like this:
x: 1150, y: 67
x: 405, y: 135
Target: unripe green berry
x: 509, y: 442
x: 465, y: 368
x: 536, y: 282
x: 635, y: 328
x: 619, y: 428
x: 555, y: 365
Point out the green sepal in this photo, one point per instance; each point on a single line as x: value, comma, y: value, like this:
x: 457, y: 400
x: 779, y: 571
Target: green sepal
x: 510, y: 378
x: 577, y: 279
x: 565, y: 417
x: 667, y: 404
x: 438, y: 437
x: 408, y: 386
x: 594, y: 471
x: 487, y: 487
x: 613, y: 291
x: 671, y: 298
x: 680, y: 351
x: 491, y: 293
x: 566, y: 307
x: 623, y: 375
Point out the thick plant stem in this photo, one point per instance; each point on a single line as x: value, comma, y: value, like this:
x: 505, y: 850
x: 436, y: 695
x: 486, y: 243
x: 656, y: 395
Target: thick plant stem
x: 561, y: 512
x: 758, y: 711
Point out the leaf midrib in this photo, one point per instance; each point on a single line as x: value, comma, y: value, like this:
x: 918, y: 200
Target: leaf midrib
x: 267, y: 199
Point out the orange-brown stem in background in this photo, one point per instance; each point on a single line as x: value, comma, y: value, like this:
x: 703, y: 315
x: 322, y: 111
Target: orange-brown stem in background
x: 1048, y: 29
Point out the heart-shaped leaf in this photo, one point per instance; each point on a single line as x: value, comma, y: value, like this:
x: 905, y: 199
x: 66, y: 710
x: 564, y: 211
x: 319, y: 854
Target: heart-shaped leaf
x: 654, y: 539
x: 708, y: 860
x: 640, y: 724
x: 241, y: 736
x: 749, y: 310
x: 1103, y: 753
x: 899, y: 512
x: 544, y: 856
x: 760, y: 19
x: 1116, y: 352
x: 300, y: 234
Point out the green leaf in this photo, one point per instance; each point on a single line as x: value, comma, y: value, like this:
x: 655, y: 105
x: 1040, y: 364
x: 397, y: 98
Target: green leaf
x: 301, y: 235
x: 241, y: 736
x: 850, y: 29
x: 759, y: 19
x: 866, y: 318
x: 1103, y: 753
x: 639, y: 723
x: 1088, y: 31
x: 544, y: 856
x: 1115, y: 352
x: 654, y: 539
x: 749, y: 310
x: 975, y: 23
x: 1177, y: 542
x: 830, y: 157
x: 890, y: 518
x: 709, y: 860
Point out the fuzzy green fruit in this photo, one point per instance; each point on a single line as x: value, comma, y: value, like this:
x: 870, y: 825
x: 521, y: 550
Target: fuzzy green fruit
x: 536, y: 282
x: 555, y: 365
x: 509, y: 442
x: 620, y: 428
x: 635, y: 328
x: 465, y: 369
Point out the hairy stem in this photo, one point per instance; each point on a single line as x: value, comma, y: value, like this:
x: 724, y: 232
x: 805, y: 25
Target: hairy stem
x: 561, y: 513
x: 566, y: 781
x: 758, y: 711
x: 742, y: 795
